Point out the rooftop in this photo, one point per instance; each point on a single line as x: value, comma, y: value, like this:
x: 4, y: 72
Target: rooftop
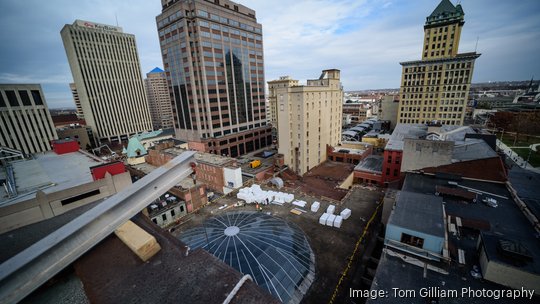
x: 506, y: 220
x: 371, y: 164
x: 445, y: 12
x: 146, y: 168
x: 464, y: 148
x: 274, y: 252
x: 203, y: 157
x: 49, y: 172
x: 324, y: 180
x: 419, y: 212
x: 156, y: 70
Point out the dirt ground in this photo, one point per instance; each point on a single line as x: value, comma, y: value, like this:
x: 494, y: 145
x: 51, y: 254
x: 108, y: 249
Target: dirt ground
x: 331, y: 246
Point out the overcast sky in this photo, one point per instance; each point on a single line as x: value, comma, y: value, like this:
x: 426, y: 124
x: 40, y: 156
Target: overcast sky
x: 365, y: 39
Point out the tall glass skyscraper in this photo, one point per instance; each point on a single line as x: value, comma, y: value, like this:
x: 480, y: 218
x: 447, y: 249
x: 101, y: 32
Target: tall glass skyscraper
x: 213, y: 58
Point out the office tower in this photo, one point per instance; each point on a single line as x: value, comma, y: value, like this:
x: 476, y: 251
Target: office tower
x: 308, y: 118
x: 159, y: 100
x: 76, y: 100
x: 107, y: 75
x: 25, y: 121
x: 436, y: 88
x: 213, y: 58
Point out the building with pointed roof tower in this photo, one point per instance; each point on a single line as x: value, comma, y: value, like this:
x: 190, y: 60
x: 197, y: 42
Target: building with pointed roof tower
x: 436, y: 88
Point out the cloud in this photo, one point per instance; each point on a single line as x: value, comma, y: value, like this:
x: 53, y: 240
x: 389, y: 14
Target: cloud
x: 366, y: 39
x: 30, y: 78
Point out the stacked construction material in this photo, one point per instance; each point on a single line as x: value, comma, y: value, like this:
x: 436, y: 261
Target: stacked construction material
x: 346, y: 213
x: 315, y: 206
x: 300, y: 203
x: 323, y: 218
x: 255, y: 194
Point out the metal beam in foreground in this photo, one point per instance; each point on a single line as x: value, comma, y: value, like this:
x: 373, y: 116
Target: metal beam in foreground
x: 32, y: 267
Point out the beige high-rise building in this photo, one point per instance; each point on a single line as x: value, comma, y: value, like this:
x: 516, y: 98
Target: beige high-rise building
x: 25, y: 122
x: 159, y: 100
x: 107, y: 75
x: 76, y: 100
x: 436, y: 88
x: 213, y: 57
x: 308, y: 117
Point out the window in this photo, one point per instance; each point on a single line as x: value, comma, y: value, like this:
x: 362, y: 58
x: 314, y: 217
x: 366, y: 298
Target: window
x: 202, y: 13
x: 173, y: 213
x: 12, y: 98
x: 164, y: 216
x: 412, y: 240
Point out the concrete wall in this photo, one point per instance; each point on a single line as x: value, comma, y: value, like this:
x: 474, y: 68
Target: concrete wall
x: 431, y: 243
x: 507, y: 275
x: 234, y: 176
x: 389, y: 109
x: 347, y: 183
x: 165, y: 218
x: 419, y: 154
x: 48, y: 205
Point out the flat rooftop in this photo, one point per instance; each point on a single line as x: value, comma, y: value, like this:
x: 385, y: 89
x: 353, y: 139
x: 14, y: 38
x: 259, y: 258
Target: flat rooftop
x: 403, y: 131
x: 146, y: 168
x: 371, y: 164
x: 506, y: 221
x: 332, y: 246
x: 323, y: 180
x: 203, y: 157
x: 420, y: 131
x: 419, y: 212
x: 49, y: 172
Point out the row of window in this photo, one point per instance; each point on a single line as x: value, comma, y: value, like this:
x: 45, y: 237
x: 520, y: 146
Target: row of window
x: 223, y: 20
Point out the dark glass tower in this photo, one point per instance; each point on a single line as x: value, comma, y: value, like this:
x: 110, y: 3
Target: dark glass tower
x: 213, y: 58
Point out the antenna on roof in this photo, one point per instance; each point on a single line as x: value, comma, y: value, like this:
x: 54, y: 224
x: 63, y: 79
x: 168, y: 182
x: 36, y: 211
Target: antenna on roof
x: 116, y: 17
x: 476, y: 46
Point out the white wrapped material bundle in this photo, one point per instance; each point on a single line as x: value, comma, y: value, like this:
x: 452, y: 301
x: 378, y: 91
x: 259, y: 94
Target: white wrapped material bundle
x: 330, y: 220
x: 323, y: 218
x: 315, y: 206
x: 345, y: 213
x: 330, y: 209
x: 300, y: 204
x: 338, y: 221
x: 289, y: 198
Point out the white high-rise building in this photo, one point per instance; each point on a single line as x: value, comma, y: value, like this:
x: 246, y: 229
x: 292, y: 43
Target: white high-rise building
x: 25, y: 121
x: 107, y: 74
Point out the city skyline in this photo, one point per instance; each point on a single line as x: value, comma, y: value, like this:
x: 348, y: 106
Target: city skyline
x: 365, y: 39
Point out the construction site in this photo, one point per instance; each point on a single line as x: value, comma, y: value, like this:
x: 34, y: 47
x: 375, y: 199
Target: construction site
x: 332, y: 247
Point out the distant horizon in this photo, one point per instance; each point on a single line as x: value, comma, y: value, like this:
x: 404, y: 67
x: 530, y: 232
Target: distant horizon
x: 345, y: 91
